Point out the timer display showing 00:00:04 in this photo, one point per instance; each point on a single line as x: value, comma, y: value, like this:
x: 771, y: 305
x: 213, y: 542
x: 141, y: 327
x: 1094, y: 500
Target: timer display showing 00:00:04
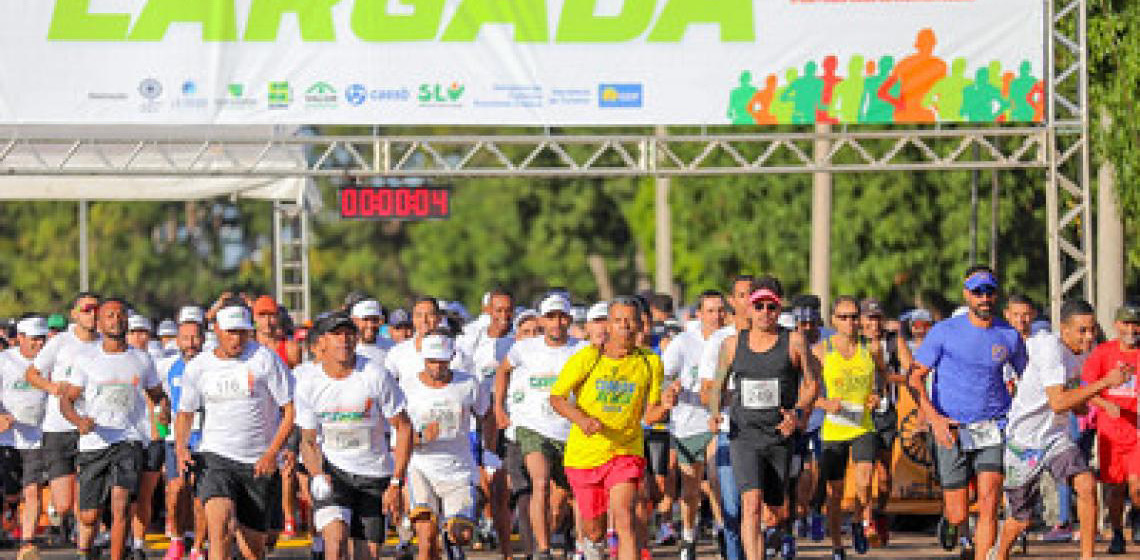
x: 401, y: 203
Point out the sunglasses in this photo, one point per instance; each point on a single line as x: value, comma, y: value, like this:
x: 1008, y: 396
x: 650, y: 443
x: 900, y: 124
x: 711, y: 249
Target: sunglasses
x: 847, y: 316
x: 767, y: 306
x: 983, y: 291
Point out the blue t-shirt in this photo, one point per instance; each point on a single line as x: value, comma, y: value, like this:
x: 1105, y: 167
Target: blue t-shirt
x: 968, y: 361
x: 174, y: 384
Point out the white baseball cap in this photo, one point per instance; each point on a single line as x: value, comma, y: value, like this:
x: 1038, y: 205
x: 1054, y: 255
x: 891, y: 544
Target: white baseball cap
x: 553, y: 303
x: 578, y: 314
x: 167, y: 328
x: 32, y: 326
x: 139, y: 322
x: 367, y: 308
x: 600, y: 310
x: 523, y: 315
x: 437, y: 347
x: 234, y: 318
x: 191, y: 314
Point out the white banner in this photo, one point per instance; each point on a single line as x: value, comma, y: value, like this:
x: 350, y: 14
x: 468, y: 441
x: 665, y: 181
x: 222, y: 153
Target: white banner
x: 520, y: 62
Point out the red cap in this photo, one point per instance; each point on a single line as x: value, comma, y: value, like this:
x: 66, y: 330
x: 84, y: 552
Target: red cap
x: 763, y: 294
x: 265, y: 305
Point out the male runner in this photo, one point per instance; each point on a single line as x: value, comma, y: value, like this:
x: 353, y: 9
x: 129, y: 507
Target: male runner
x: 369, y: 317
x: 725, y: 480
x: 1038, y: 431
x: 968, y: 404
x: 115, y: 382
x: 345, y: 404
x: 776, y: 384
x: 488, y: 346
x: 245, y: 394
x: 185, y: 516
x: 442, y: 472
x: 597, y: 320
x: 852, y: 377
x: 404, y: 360
x: 153, y: 449
x: 48, y: 371
x: 1116, y: 423
x: 22, y: 409
x: 608, y: 393
x: 527, y: 375
x: 884, y: 416
x: 689, y: 420
x: 399, y: 326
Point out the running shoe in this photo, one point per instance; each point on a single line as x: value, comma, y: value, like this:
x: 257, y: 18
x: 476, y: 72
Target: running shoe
x: 771, y: 543
x: 788, y: 547
x: 455, y: 552
x: 838, y: 554
x: 612, y: 543
x: 290, y: 528
x: 1058, y: 534
x: 689, y: 551
x: 1116, y: 546
x: 817, y: 531
x: 176, y: 550
x: 666, y: 536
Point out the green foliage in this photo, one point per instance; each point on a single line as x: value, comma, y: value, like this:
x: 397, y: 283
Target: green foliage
x: 1114, y: 79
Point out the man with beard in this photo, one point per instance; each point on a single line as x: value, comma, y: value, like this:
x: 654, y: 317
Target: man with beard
x: 968, y: 405
x: 368, y: 315
x: 114, y: 381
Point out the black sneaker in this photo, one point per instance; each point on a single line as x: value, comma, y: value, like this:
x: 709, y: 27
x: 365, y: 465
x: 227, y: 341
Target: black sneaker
x: 454, y: 551
x: 688, y: 551
x: 722, y: 545
x: 1116, y: 546
x: 838, y: 554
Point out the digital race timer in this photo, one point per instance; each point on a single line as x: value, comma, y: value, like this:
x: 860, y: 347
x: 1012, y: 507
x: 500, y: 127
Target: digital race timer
x: 395, y: 203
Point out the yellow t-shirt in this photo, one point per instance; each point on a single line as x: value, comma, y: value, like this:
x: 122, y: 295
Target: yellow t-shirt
x: 851, y: 381
x: 616, y: 392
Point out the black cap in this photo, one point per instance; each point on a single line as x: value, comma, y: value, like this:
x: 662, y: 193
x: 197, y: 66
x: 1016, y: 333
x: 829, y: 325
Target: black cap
x: 333, y: 321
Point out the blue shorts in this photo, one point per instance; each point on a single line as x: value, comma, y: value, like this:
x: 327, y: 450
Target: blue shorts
x: 172, y: 461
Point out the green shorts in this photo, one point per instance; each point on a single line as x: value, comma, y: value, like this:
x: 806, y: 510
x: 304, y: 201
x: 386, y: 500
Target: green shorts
x: 531, y: 441
x: 692, y: 449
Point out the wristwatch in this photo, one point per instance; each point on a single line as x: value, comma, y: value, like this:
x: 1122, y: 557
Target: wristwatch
x: 395, y: 481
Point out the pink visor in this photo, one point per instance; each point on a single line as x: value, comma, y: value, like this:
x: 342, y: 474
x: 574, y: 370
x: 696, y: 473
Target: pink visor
x: 763, y: 294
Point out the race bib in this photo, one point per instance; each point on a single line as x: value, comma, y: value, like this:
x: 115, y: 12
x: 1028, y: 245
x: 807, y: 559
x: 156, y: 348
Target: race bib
x: 760, y: 394
x: 447, y: 414
x: 980, y: 435
x: 850, y: 415
x: 112, y: 405
x: 29, y: 413
x: 232, y: 384
x: 346, y: 437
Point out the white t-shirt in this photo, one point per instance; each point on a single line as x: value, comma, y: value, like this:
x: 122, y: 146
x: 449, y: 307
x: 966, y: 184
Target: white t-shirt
x: 1032, y: 422
x: 682, y: 361
x: 710, y: 357
x: 114, y: 394
x: 448, y: 457
x: 25, y: 403
x: 54, y: 363
x: 241, y: 399
x: 535, y: 368
x: 350, y: 415
x: 372, y: 351
x: 404, y: 361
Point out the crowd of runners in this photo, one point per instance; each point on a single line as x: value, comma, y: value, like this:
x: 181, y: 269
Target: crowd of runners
x: 591, y: 430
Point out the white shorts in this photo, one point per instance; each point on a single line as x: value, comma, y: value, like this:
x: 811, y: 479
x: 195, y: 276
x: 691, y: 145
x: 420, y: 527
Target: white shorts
x: 451, y: 500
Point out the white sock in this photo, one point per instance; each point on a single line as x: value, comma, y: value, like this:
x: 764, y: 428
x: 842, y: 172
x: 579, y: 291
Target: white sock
x: 138, y: 544
x: 689, y: 535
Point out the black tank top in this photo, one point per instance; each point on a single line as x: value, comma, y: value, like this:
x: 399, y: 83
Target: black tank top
x: 755, y: 374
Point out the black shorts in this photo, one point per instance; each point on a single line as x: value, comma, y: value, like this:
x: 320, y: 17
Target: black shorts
x: 517, y: 477
x: 657, y: 444
x: 886, y: 428
x: 61, y: 453
x: 11, y: 470
x: 34, y: 467
x: 363, y: 496
x: 257, y: 500
x: 833, y: 463
x: 116, y: 466
x: 762, y: 465
x: 154, y: 456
